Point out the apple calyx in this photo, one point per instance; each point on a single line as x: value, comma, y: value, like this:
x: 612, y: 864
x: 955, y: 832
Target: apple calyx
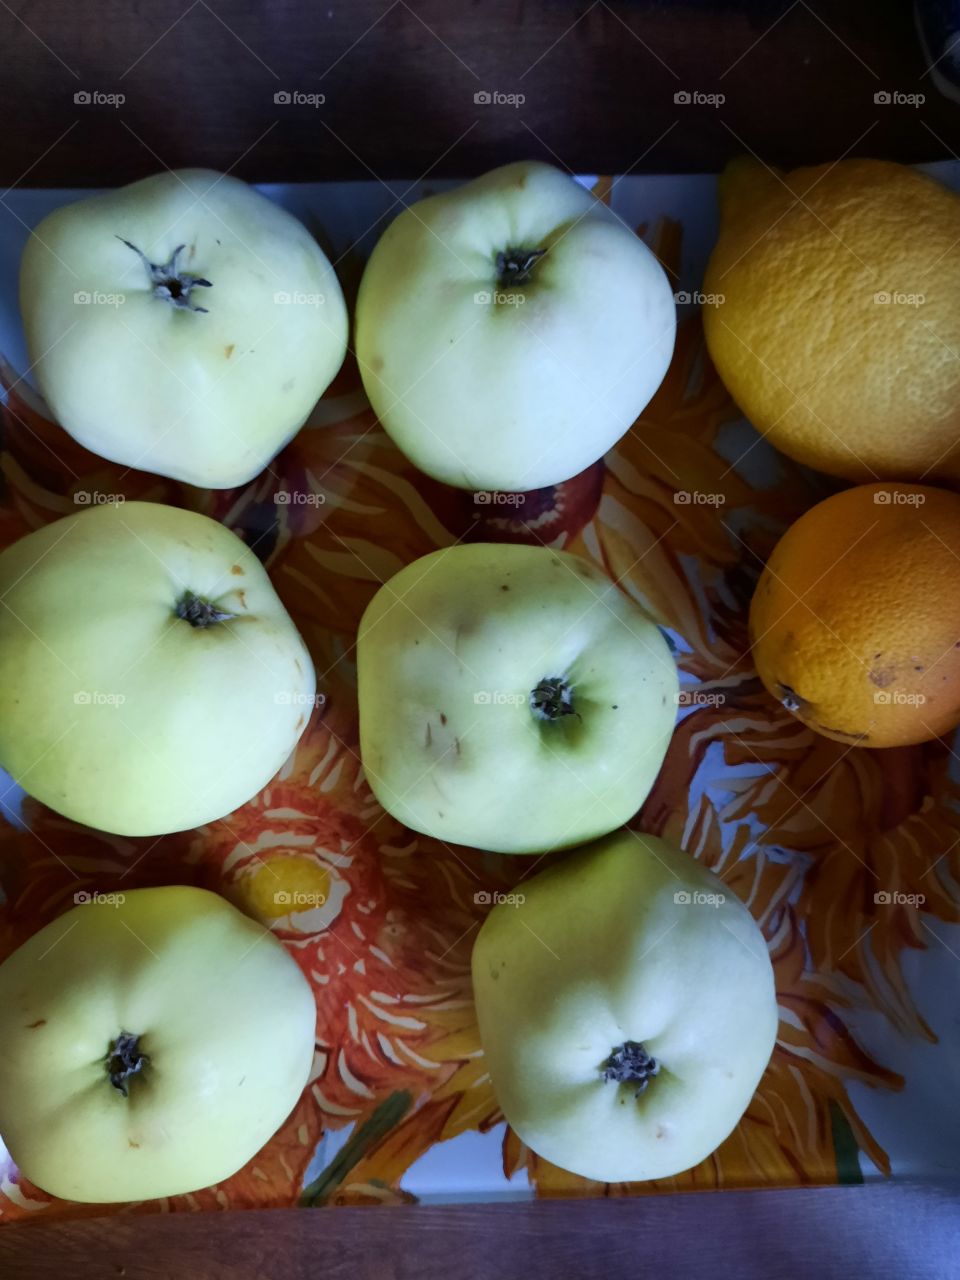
x: 124, y: 1060
x: 552, y: 698
x: 199, y: 613
x: 515, y: 265
x: 169, y: 283
x: 630, y: 1061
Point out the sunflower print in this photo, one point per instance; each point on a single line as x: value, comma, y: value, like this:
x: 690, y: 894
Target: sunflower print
x: 382, y: 920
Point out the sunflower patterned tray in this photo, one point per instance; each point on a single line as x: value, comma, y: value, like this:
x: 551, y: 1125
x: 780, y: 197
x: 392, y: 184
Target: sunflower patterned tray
x: 849, y: 859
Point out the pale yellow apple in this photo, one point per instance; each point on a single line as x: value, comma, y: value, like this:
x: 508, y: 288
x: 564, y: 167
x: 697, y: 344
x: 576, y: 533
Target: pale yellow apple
x: 511, y: 697
x: 184, y: 324
x: 150, y: 1043
x: 510, y: 331
x: 150, y: 678
x: 626, y: 1007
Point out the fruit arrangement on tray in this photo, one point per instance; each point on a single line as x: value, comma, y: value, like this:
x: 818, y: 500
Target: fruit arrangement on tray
x: 383, y: 719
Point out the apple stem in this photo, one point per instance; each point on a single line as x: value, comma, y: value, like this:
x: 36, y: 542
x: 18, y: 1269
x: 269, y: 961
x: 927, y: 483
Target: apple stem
x: 552, y: 698
x: 199, y: 613
x: 630, y: 1061
x: 169, y: 283
x: 515, y: 265
x: 124, y: 1060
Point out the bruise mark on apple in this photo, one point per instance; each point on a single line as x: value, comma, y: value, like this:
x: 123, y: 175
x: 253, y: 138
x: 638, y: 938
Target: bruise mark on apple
x: 428, y: 736
x: 376, y: 363
x: 300, y: 723
x: 40, y: 1022
x: 456, y: 747
x: 229, y: 350
x: 443, y: 717
x: 236, y: 569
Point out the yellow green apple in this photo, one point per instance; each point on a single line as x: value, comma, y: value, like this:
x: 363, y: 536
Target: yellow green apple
x: 150, y: 1043
x: 512, y: 698
x: 627, y: 1009
x: 510, y: 331
x: 150, y: 678
x: 184, y: 324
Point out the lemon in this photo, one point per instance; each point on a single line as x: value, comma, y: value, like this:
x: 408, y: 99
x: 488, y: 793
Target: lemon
x: 837, y: 325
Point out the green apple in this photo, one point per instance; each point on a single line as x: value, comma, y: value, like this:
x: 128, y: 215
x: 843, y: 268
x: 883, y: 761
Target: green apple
x: 627, y: 1009
x: 150, y: 678
x: 150, y: 1043
x: 509, y: 332
x: 512, y: 698
x: 184, y: 324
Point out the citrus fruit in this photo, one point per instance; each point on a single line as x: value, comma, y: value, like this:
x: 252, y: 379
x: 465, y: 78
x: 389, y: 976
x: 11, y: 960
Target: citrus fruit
x: 855, y: 622
x: 836, y: 326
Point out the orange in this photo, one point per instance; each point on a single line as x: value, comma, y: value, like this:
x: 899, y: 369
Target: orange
x: 855, y: 622
x: 837, y: 322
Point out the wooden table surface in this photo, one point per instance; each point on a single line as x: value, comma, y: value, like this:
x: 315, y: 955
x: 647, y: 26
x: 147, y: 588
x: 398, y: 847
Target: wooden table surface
x: 401, y: 80
x: 853, y: 1233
